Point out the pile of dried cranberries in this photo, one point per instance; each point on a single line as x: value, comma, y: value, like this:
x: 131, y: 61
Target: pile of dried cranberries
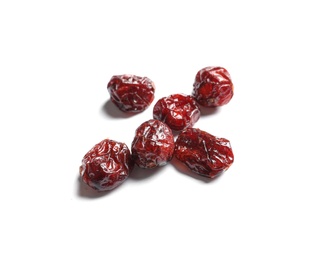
x: 109, y: 163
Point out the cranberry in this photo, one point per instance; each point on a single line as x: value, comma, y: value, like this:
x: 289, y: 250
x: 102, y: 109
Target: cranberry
x: 106, y: 165
x: 178, y: 111
x: 213, y: 87
x: 153, y: 144
x: 203, y: 153
x: 131, y: 93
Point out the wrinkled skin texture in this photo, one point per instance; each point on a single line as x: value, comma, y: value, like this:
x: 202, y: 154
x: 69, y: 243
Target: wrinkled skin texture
x: 178, y: 111
x: 131, y: 93
x: 153, y: 144
x: 106, y: 165
x: 213, y: 87
x: 203, y: 153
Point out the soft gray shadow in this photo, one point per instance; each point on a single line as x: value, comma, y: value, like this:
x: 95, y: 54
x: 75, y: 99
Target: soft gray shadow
x: 110, y: 109
x: 208, y: 111
x: 85, y: 191
x: 182, y: 168
x: 139, y: 174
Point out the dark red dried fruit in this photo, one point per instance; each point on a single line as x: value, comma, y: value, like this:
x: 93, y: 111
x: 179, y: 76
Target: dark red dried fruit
x: 106, y: 165
x: 153, y: 144
x: 131, y: 93
x: 178, y: 111
x: 203, y: 153
x: 213, y: 87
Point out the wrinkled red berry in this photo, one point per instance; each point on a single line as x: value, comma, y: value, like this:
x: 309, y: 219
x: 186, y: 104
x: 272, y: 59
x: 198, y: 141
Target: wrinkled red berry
x: 106, y: 165
x: 203, y: 153
x: 178, y: 111
x: 153, y: 144
x: 213, y: 87
x: 131, y: 93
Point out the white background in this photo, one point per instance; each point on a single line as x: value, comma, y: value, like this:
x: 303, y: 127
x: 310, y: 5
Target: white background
x: 275, y: 202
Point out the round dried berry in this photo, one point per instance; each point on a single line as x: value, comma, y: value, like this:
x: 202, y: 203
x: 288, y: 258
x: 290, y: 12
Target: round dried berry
x: 153, y: 144
x: 213, y: 87
x: 178, y: 111
x: 203, y: 153
x: 106, y: 165
x: 131, y: 93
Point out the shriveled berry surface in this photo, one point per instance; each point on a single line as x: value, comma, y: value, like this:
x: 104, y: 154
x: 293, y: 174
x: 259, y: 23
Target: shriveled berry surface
x: 203, y: 153
x: 213, y: 87
x: 153, y: 144
x: 106, y: 165
x: 178, y: 111
x: 131, y: 93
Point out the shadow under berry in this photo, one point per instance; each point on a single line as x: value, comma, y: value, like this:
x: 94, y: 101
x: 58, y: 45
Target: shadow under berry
x: 208, y: 111
x: 139, y: 174
x: 85, y: 191
x: 182, y: 168
x: 111, y: 110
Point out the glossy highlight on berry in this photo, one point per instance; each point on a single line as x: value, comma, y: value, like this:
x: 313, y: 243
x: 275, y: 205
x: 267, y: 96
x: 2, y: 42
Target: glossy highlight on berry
x: 153, y: 144
x: 107, y: 165
x: 213, y: 87
x: 203, y: 153
x: 178, y: 111
x: 131, y: 93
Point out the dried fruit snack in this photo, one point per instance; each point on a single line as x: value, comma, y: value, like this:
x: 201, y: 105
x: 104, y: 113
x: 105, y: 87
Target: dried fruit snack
x: 213, y: 87
x: 131, y: 93
x: 178, y: 111
x: 109, y: 163
x: 153, y: 144
x: 106, y: 165
x: 203, y: 153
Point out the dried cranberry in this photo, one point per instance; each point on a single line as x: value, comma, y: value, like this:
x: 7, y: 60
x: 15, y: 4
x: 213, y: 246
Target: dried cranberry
x: 203, y: 153
x: 106, y: 165
x: 178, y: 111
x: 213, y: 87
x: 131, y: 93
x: 153, y: 144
